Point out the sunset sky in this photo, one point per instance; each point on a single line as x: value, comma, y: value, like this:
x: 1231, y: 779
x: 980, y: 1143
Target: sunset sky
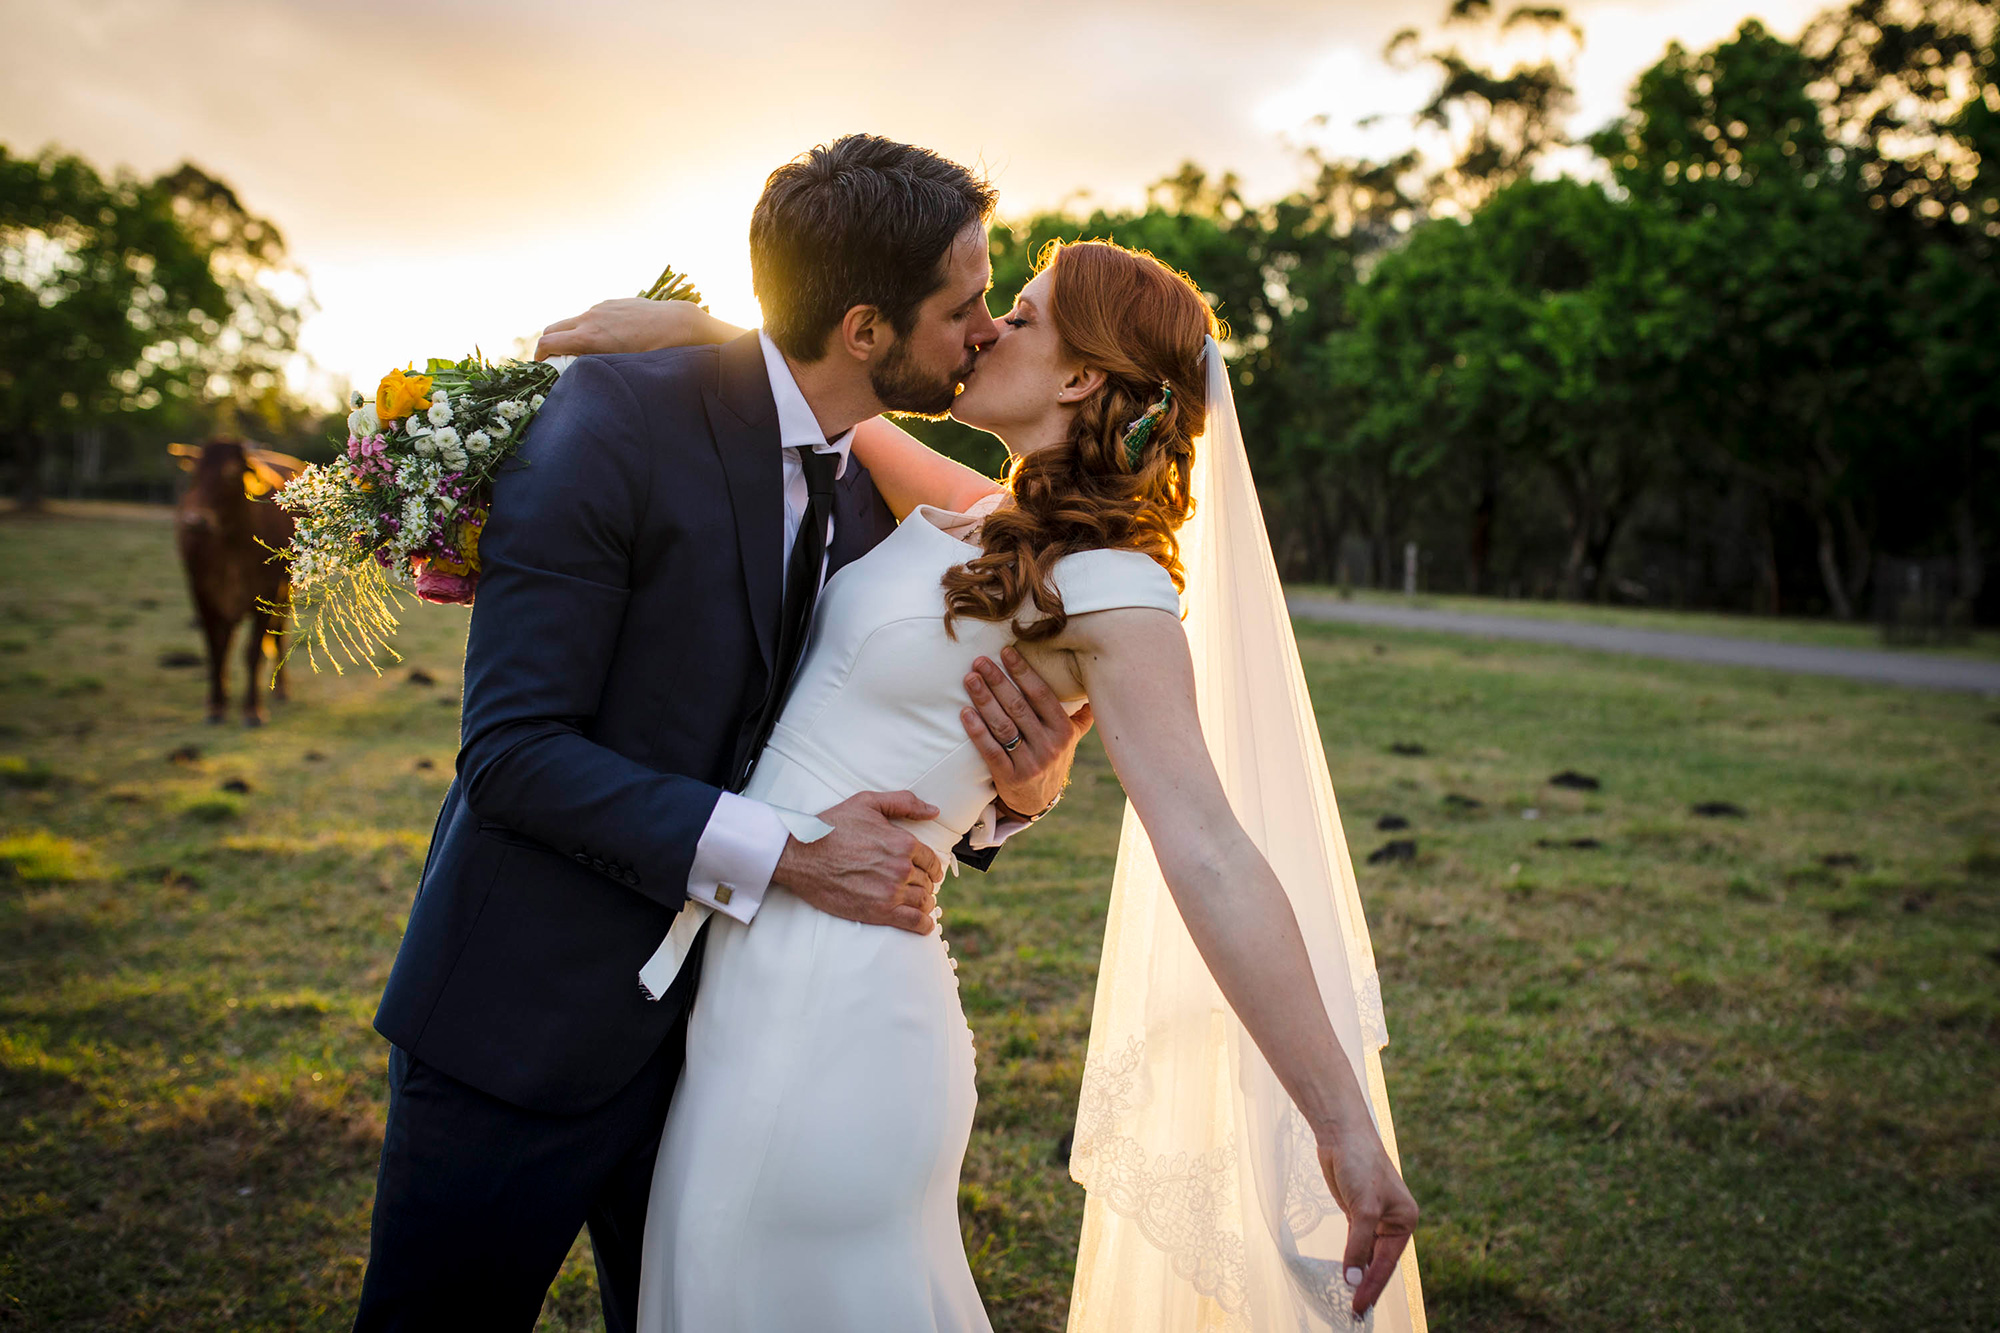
x: 451, y: 173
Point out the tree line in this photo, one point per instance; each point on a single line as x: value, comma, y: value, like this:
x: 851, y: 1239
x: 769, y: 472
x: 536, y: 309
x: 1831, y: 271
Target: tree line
x: 1737, y: 349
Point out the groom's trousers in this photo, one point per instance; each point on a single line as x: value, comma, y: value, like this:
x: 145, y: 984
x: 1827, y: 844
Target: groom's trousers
x: 478, y: 1201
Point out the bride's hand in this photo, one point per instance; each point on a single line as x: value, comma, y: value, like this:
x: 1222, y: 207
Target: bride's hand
x: 1381, y: 1215
x: 628, y: 324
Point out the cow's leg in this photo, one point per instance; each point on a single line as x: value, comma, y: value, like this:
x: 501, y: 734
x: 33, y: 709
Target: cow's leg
x: 218, y: 632
x: 253, y: 667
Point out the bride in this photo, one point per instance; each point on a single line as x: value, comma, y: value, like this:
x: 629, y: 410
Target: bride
x: 809, y: 1170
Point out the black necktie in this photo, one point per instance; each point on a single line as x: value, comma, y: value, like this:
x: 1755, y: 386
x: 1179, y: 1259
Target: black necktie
x: 801, y: 594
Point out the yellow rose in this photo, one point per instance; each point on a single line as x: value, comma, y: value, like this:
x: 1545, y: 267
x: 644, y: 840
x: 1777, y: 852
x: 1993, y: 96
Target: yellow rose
x: 401, y: 394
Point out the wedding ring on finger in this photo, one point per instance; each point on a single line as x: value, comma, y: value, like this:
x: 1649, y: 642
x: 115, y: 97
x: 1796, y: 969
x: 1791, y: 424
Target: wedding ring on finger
x: 1009, y: 746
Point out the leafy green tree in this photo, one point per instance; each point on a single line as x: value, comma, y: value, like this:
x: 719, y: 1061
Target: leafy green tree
x: 122, y: 298
x: 1532, y: 336
x: 1792, y: 360
x: 1897, y: 77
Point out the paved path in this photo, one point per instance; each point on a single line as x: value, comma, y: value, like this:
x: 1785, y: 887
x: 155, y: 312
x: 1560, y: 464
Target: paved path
x: 1920, y: 670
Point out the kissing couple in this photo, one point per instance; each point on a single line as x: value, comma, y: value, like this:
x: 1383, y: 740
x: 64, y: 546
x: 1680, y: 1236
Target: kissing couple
x: 749, y: 667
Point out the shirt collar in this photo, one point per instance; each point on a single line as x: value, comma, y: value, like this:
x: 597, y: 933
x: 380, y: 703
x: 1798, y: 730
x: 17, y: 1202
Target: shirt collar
x: 798, y: 428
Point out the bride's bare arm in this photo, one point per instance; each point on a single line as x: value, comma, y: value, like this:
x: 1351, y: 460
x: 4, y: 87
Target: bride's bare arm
x: 633, y: 324
x: 1134, y: 664
x: 909, y: 472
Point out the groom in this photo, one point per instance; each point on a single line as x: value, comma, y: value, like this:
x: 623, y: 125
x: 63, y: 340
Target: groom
x: 648, y: 576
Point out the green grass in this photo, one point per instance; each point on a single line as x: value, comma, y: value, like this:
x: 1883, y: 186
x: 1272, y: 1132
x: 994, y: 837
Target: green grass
x: 1777, y: 629
x: 1714, y: 1073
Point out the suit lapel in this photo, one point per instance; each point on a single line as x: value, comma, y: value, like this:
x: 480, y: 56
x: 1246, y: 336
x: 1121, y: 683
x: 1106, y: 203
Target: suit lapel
x: 743, y: 418
x: 860, y: 518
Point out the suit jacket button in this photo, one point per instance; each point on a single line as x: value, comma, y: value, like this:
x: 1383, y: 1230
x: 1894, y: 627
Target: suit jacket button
x: 723, y: 893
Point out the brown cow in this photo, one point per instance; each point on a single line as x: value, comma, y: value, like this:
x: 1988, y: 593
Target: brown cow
x: 229, y: 533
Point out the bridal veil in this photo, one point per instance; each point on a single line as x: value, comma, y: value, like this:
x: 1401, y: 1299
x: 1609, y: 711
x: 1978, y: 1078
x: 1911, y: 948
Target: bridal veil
x: 1206, y: 1208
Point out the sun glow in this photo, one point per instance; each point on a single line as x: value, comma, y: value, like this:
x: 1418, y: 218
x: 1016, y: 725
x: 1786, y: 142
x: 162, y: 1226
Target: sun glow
x: 499, y: 297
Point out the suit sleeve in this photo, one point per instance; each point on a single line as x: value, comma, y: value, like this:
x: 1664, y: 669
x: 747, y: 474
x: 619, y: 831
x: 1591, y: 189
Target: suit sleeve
x: 555, y: 576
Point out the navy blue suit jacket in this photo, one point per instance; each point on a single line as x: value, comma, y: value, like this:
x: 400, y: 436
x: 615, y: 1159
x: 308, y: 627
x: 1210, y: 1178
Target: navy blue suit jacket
x: 627, y: 618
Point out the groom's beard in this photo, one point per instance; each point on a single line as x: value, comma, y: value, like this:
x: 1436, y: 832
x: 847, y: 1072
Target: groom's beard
x: 903, y: 386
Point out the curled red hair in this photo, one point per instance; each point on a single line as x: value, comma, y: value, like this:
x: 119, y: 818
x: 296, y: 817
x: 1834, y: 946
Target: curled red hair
x: 1143, y: 324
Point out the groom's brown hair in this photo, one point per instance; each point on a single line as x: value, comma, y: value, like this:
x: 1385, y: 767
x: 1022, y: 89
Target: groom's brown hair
x: 860, y: 221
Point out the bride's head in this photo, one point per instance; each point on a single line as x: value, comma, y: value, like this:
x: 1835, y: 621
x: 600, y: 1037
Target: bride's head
x: 1102, y: 338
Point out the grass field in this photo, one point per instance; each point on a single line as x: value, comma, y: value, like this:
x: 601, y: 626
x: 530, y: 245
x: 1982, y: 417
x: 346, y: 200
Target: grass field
x: 1707, y: 1073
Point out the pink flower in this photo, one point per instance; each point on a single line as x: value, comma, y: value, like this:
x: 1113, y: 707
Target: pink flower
x: 449, y: 589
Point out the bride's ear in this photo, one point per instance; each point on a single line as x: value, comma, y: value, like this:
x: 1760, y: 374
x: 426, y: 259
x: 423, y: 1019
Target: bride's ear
x: 1079, y: 384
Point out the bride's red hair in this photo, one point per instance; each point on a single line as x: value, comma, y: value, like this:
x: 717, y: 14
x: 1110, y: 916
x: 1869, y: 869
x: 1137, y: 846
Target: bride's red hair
x: 1143, y: 324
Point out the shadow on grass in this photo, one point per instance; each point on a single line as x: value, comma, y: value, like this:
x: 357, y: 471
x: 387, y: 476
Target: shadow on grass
x: 163, y: 1215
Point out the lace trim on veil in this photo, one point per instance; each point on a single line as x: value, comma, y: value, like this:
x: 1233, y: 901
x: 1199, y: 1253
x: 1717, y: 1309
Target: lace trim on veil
x: 1186, y: 1205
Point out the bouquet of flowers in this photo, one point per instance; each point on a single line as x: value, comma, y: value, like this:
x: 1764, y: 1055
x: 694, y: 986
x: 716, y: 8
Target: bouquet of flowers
x: 401, y: 511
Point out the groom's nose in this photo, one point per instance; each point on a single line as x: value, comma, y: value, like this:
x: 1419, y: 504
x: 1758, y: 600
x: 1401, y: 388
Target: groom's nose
x: 981, y: 330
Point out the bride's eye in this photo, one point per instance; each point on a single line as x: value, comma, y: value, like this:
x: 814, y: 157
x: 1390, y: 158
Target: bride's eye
x: 1013, y: 323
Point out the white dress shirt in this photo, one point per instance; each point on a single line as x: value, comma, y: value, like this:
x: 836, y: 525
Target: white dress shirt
x: 740, y: 846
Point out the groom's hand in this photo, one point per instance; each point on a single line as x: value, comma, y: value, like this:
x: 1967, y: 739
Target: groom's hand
x: 1022, y: 732
x: 868, y: 869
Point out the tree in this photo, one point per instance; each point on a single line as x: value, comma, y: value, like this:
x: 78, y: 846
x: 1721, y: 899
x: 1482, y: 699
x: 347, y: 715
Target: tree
x: 1496, y: 126
x: 1896, y: 77
x: 121, y: 297
x: 1531, y: 336
x: 1792, y: 361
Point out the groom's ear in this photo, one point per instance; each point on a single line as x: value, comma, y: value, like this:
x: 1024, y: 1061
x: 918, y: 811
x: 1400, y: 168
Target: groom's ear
x: 862, y: 333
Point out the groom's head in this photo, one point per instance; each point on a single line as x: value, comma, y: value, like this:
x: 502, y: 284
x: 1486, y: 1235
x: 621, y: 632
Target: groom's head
x: 874, y: 252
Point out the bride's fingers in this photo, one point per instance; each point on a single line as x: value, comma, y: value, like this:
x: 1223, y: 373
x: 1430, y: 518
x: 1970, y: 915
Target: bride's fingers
x: 1360, y: 1251
x: 980, y: 732
x: 563, y: 324
x: 993, y: 692
x: 980, y: 687
x: 1388, y: 1251
x: 1035, y: 691
x: 564, y: 342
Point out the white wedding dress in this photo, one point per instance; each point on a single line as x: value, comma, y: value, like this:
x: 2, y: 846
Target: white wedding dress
x: 807, y: 1181
x: 808, y: 1177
